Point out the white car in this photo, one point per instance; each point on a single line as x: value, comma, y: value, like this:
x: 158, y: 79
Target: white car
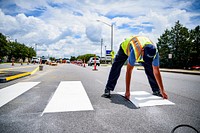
x: 35, y: 59
x: 92, y: 60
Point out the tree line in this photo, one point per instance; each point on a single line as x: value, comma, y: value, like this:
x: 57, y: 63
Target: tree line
x: 14, y: 49
x: 85, y: 57
x: 179, y: 47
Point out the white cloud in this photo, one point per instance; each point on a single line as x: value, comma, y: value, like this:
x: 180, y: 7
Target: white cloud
x: 93, y: 33
x: 7, y: 23
x: 69, y: 27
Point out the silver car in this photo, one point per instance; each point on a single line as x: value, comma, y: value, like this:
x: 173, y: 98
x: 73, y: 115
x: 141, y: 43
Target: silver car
x: 92, y: 60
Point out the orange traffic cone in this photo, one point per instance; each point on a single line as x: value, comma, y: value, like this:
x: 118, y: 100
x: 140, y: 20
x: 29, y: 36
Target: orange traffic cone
x: 84, y: 63
x: 95, y: 66
x: 13, y: 61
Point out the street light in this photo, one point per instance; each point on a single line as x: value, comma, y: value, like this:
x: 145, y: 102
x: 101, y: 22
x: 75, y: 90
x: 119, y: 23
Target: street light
x: 111, y: 26
x: 36, y: 49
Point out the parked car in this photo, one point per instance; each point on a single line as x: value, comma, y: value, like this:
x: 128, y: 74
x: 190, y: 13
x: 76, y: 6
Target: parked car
x: 65, y: 60
x: 79, y: 61
x: 59, y: 60
x: 196, y: 67
x: 46, y: 61
x: 68, y: 61
x: 92, y: 60
x: 73, y: 62
x: 192, y: 67
x: 35, y: 60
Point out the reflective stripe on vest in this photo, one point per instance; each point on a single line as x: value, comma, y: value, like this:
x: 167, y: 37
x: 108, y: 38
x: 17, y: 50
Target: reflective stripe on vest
x: 137, y: 47
x: 138, y: 43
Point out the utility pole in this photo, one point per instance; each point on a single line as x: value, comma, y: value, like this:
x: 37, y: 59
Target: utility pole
x: 105, y: 54
x: 101, y: 46
x: 111, y: 26
x: 36, y: 49
x: 111, y: 42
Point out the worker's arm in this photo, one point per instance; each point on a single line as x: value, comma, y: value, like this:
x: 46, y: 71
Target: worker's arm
x: 158, y: 77
x: 128, y: 80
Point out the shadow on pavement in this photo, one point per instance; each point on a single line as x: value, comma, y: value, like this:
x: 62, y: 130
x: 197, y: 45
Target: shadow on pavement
x: 119, y: 99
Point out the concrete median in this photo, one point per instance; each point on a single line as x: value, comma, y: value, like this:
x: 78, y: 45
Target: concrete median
x: 15, y: 74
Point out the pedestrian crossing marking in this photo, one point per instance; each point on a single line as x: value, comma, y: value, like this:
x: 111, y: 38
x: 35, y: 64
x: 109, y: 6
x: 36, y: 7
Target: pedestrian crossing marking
x: 11, y: 92
x: 143, y: 98
x: 69, y: 96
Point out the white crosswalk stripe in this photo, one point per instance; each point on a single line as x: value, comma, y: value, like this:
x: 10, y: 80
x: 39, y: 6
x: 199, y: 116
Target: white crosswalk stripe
x: 143, y: 99
x: 69, y: 96
x: 11, y: 92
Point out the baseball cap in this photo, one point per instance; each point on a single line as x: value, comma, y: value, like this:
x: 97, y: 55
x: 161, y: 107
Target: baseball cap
x: 149, y: 53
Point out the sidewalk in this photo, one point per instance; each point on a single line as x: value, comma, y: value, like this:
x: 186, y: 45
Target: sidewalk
x: 193, y: 72
x: 9, y: 72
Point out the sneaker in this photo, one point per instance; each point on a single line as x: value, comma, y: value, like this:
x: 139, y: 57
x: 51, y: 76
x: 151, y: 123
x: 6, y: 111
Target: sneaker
x: 157, y: 93
x: 106, y: 93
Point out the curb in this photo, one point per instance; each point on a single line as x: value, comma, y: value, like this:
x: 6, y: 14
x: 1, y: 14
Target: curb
x: 5, y: 79
x: 176, y: 71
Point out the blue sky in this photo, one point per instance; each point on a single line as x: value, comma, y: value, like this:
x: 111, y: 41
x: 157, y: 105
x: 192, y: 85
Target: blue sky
x: 64, y: 28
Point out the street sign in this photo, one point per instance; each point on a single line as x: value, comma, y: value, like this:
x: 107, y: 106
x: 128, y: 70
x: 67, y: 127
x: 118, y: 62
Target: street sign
x: 170, y: 56
x: 108, y: 52
x: 108, y: 55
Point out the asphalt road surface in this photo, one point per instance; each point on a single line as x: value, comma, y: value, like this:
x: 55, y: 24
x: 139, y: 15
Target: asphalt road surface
x: 34, y: 109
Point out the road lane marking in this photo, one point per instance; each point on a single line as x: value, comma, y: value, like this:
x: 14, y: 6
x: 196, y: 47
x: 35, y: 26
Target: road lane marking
x: 34, y: 71
x: 143, y: 98
x: 11, y: 92
x: 69, y: 96
x: 100, y: 81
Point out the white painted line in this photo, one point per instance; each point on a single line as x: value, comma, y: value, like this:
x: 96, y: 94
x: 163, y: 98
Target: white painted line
x: 11, y: 92
x: 69, y: 96
x: 100, y: 82
x: 143, y: 98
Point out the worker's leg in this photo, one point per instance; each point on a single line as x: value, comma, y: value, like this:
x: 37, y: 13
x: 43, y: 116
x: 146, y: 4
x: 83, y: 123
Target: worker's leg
x: 151, y: 78
x: 119, y: 61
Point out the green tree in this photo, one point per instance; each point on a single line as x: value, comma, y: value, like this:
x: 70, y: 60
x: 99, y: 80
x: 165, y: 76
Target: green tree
x: 180, y: 45
x: 13, y: 51
x: 18, y: 51
x: 4, y: 47
x: 52, y: 58
x: 31, y: 52
x: 85, y: 57
x: 164, y: 48
x: 194, y: 58
x: 73, y: 58
x: 176, y: 42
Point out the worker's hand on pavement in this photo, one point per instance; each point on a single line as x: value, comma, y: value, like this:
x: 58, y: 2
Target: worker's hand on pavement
x: 164, y: 95
x: 127, y: 95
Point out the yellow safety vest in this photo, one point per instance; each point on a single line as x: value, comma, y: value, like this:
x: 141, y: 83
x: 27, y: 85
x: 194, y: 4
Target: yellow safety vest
x: 138, y: 43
